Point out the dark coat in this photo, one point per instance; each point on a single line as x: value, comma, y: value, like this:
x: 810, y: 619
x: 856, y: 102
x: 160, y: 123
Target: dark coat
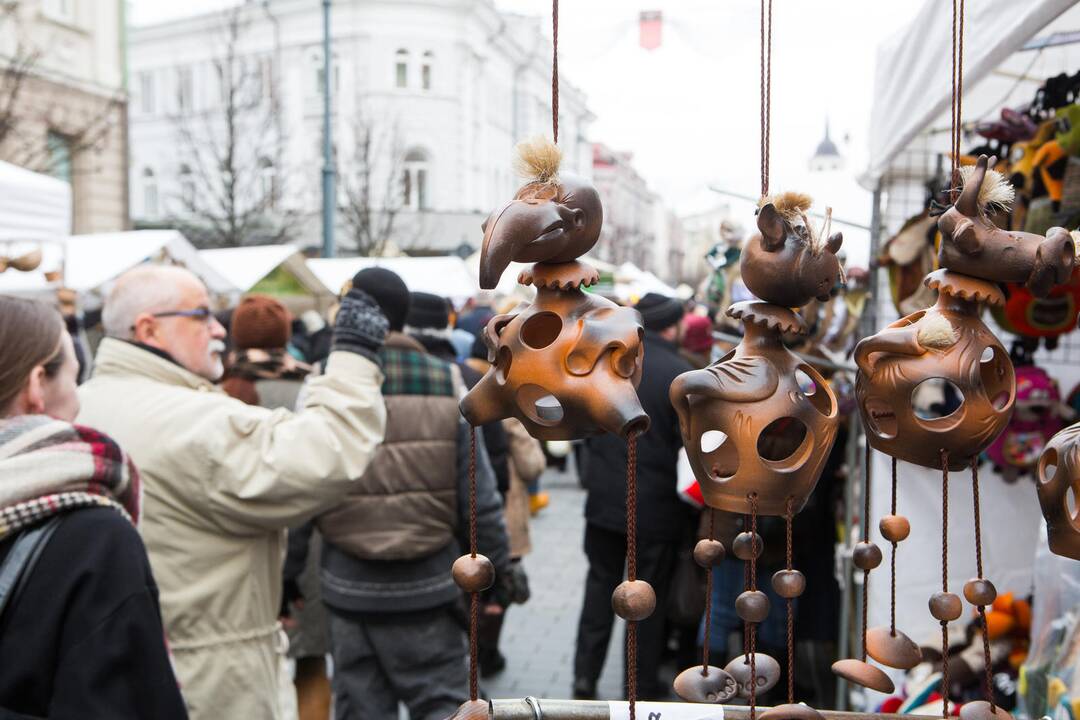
x: 661, y: 514
x: 84, y: 638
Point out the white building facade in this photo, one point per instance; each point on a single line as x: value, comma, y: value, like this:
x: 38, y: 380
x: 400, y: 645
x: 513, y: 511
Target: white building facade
x: 630, y: 212
x: 445, y: 88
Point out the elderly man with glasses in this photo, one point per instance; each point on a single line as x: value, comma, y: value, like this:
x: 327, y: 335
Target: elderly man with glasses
x: 222, y: 479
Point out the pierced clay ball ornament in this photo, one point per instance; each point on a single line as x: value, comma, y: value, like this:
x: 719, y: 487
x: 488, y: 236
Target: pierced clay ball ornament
x: 1058, y: 486
x: 945, y: 343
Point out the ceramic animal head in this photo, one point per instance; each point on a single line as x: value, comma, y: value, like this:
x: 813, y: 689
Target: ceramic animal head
x: 971, y: 244
x: 946, y: 344
x: 1058, y: 486
x: 554, y: 218
x: 787, y: 263
x: 567, y: 366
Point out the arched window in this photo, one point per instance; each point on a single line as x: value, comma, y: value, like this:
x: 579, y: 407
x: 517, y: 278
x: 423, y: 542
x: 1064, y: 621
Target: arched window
x: 267, y: 182
x: 401, y: 68
x: 187, y: 187
x: 425, y: 70
x: 150, y: 193
x: 414, y: 180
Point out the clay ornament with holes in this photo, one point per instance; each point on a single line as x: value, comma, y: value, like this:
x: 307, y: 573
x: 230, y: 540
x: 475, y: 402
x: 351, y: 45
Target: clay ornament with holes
x: 568, y: 365
x: 946, y: 343
x: 971, y: 244
x: 1058, y: 485
x: 759, y: 420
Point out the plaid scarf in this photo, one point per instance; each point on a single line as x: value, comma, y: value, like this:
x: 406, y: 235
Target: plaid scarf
x: 49, y: 466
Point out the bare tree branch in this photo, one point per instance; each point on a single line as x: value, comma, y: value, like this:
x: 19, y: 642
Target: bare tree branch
x: 370, y: 209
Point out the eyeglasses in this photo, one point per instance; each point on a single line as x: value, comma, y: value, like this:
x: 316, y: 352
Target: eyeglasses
x: 201, y: 313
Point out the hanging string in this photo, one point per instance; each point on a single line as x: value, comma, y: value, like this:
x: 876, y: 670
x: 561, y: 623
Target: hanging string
x: 708, y: 599
x: 631, y: 567
x: 892, y: 590
x: 957, y: 92
x: 866, y: 538
x: 788, y: 516
x: 474, y: 598
x: 753, y: 586
x: 944, y: 581
x: 555, y: 69
x: 766, y: 92
x: 979, y: 567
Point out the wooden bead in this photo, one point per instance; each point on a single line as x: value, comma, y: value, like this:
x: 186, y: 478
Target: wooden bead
x: 981, y: 710
x: 980, y: 591
x: 745, y: 544
x: 894, y: 528
x: 472, y: 710
x: 766, y: 673
x: 711, y: 685
x: 866, y: 556
x: 791, y: 711
x: 709, y: 553
x: 752, y: 606
x: 633, y: 600
x: 945, y: 606
x: 473, y: 574
x: 789, y: 583
x: 892, y: 648
x: 863, y: 674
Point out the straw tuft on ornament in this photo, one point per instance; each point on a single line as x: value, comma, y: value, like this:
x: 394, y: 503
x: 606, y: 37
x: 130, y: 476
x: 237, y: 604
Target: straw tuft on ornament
x: 996, y: 194
x: 538, y: 160
x: 937, y: 332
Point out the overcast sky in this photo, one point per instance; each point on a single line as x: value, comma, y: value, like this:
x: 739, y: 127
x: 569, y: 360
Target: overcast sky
x: 689, y: 111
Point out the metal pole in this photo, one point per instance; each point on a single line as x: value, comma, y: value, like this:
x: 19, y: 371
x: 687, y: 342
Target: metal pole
x: 328, y: 144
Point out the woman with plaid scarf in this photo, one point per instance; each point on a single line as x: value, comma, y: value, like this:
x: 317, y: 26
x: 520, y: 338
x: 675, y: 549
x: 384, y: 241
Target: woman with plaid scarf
x: 80, y: 627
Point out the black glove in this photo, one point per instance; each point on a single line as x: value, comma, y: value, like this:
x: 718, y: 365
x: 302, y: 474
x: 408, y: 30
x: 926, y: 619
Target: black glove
x: 511, y: 585
x: 360, y: 326
x: 290, y: 594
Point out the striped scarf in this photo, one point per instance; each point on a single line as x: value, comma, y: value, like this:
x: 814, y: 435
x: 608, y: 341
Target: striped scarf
x: 49, y: 467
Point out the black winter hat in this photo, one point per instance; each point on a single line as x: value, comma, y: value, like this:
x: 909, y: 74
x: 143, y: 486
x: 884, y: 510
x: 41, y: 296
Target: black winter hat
x: 427, y: 310
x: 659, y: 312
x: 388, y: 290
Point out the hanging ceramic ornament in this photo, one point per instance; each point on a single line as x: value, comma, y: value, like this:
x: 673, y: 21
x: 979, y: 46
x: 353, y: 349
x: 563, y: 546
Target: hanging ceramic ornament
x: 568, y: 365
x: 1058, y: 485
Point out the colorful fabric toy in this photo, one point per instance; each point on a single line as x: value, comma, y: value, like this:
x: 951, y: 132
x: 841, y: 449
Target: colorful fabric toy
x: 1038, y: 416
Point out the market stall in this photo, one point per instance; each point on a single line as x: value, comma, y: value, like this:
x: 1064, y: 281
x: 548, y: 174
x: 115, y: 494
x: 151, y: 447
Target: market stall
x: 277, y: 270
x: 446, y: 275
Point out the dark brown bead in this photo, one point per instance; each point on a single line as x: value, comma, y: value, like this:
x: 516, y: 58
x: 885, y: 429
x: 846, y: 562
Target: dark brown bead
x: 892, y: 648
x: 866, y: 556
x: 711, y: 685
x: 745, y: 545
x: 789, y: 583
x: 633, y: 600
x: 708, y: 553
x: 980, y: 591
x: 863, y: 674
x: 894, y: 528
x: 766, y: 673
x: 473, y: 574
x: 945, y: 606
x: 981, y: 710
x: 791, y: 711
x: 752, y: 606
x: 472, y: 710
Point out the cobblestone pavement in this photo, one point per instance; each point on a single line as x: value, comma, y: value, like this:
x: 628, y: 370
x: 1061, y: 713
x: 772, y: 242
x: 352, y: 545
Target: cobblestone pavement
x: 538, y: 637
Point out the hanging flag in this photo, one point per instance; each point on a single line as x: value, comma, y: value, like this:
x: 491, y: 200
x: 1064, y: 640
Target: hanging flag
x: 649, y: 29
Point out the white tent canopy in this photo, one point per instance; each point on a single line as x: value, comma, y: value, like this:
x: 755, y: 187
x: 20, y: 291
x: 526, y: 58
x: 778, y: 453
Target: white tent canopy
x: 913, y: 91
x: 244, y: 267
x: 446, y: 275
x: 32, y: 206
x: 89, y: 262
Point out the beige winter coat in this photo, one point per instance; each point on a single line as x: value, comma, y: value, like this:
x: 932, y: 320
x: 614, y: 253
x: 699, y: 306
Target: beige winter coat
x: 526, y: 463
x: 222, y: 480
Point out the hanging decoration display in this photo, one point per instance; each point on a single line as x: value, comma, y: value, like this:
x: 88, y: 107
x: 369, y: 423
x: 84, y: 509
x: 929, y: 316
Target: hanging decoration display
x: 759, y: 423
x: 1038, y: 414
x: 1058, y: 485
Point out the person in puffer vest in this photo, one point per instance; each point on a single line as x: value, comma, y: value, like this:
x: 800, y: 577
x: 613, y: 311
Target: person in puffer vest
x: 397, y: 621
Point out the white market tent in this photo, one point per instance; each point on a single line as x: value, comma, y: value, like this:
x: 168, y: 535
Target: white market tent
x: 445, y: 275
x: 89, y: 262
x: 32, y: 206
x: 244, y: 267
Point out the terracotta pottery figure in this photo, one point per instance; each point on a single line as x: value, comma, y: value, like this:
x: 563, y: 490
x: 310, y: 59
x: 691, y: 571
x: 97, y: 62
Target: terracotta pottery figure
x: 1058, y: 478
x: 24, y: 263
x: 568, y: 365
x: 759, y: 420
x: 786, y: 263
x: 944, y: 343
x: 971, y: 244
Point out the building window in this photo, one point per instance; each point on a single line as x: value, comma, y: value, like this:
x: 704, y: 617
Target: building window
x: 146, y: 93
x: 185, y: 89
x: 425, y: 70
x: 59, y: 10
x: 401, y: 69
x: 414, y: 179
x: 267, y: 183
x: 59, y: 149
x: 187, y: 187
x: 320, y: 70
x: 150, y: 194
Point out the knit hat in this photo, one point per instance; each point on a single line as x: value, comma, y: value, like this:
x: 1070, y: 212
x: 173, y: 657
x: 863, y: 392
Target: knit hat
x: 388, y: 290
x: 697, y: 336
x: 427, y: 310
x: 659, y: 312
x: 260, y: 322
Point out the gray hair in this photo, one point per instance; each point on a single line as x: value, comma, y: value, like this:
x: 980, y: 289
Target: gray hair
x: 146, y: 288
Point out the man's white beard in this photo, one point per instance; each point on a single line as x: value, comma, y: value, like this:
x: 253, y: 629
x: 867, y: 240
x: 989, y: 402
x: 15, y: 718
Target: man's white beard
x: 215, y: 350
